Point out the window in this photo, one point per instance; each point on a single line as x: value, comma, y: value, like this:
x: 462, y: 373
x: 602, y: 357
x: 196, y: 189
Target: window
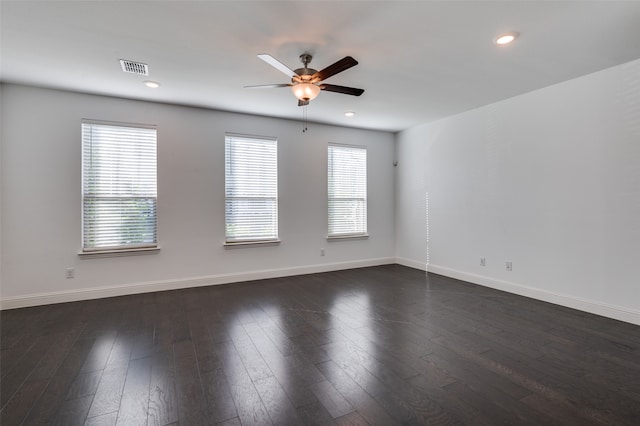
x: 119, y: 191
x: 251, y: 188
x: 347, y: 179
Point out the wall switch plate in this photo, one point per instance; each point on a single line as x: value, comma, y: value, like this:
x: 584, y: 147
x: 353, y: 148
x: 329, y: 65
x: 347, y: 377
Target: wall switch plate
x: 70, y: 272
x: 509, y: 266
x: 483, y: 261
x: 321, y: 252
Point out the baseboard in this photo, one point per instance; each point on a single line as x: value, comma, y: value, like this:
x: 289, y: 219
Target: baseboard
x: 610, y: 311
x: 598, y: 308
x: 175, y: 284
x: 411, y: 263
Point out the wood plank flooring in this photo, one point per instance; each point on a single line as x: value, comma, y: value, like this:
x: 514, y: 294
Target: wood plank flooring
x: 374, y: 346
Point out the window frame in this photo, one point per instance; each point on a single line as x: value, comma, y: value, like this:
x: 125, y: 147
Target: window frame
x: 119, y: 249
x: 356, y: 234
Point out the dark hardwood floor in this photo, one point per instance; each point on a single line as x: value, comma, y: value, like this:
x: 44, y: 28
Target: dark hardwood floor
x: 381, y: 346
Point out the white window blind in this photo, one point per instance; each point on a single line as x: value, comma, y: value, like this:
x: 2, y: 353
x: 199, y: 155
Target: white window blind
x: 251, y: 188
x: 347, y: 179
x: 119, y: 190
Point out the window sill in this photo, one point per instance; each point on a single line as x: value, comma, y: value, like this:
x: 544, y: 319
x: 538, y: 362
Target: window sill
x: 241, y: 244
x: 347, y: 237
x: 118, y: 253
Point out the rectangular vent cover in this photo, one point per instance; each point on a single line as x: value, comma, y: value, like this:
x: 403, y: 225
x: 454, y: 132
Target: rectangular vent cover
x: 134, y: 67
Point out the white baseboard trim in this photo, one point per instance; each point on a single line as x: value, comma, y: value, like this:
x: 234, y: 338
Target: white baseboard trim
x: 598, y: 308
x: 610, y: 311
x: 175, y: 284
x: 411, y: 263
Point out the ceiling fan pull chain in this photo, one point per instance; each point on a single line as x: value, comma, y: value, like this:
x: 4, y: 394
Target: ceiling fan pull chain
x: 304, y: 118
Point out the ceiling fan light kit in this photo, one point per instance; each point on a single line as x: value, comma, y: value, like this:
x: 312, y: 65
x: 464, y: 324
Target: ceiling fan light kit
x: 305, y: 91
x: 306, y: 82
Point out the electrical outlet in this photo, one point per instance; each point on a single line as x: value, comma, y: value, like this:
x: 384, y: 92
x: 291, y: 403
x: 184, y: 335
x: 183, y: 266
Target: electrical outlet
x: 70, y: 272
x: 483, y: 261
x: 321, y: 252
x: 509, y: 266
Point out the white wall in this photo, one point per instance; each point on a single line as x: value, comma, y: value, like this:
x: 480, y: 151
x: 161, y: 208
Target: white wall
x: 549, y: 180
x: 1, y: 183
x: 41, y: 199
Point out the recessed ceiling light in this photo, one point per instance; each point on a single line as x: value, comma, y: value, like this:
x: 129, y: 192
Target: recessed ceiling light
x: 152, y: 84
x: 349, y: 113
x: 506, y: 38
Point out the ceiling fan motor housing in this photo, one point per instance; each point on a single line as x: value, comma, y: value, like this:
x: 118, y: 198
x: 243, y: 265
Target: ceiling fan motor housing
x: 305, y: 71
x: 305, y: 58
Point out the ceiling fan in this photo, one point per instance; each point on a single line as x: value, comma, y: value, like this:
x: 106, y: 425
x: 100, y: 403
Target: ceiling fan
x: 306, y: 83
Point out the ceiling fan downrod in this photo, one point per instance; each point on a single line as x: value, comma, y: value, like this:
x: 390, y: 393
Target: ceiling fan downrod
x: 306, y: 58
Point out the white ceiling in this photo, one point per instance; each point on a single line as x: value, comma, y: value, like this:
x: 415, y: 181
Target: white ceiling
x: 419, y: 60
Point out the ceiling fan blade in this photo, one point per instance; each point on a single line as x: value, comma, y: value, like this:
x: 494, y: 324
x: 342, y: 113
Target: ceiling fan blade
x: 277, y: 64
x: 333, y: 69
x: 342, y: 89
x: 267, y: 86
x: 303, y: 103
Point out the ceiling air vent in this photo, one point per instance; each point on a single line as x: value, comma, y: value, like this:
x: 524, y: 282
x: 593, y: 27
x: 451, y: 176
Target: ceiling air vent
x: 134, y: 67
